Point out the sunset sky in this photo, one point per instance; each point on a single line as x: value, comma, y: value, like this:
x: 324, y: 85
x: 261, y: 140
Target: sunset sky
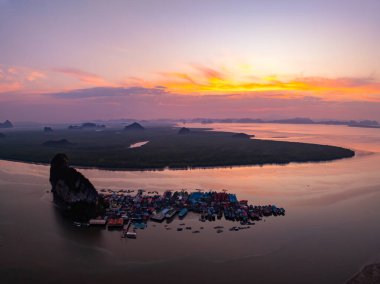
x: 64, y: 61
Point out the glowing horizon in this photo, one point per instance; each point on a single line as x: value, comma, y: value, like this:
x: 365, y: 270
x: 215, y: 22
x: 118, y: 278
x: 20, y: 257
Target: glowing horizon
x: 185, y: 53
x: 202, y: 81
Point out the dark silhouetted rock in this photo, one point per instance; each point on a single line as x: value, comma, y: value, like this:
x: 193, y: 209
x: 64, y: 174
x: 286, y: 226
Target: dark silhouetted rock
x: 369, y: 274
x: 72, y: 127
x: 134, y: 126
x: 6, y: 124
x: 88, y: 125
x: 55, y: 143
x: 2, y: 135
x: 242, y: 136
x: 48, y: 129
x: 184, y: 131
x: 72, y: 191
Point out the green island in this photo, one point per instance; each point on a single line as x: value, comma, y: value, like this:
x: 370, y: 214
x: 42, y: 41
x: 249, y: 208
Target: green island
x: 168, y: 147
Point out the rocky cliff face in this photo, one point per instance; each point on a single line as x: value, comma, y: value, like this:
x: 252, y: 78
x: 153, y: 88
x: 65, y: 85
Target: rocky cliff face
x: 72, y: 191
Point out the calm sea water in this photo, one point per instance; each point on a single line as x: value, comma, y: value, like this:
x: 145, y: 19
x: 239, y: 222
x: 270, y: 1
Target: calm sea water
x: 331, y: 228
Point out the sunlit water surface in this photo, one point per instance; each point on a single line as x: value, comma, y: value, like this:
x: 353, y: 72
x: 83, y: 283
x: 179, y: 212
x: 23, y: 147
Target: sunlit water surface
x: 331, y: 228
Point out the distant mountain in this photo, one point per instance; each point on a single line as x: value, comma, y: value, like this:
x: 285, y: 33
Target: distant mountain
x: 55, y: 143
x: 242, y: 136
x: 92, y: 125
x: 364, y: 123
x: 354, y: 123
x: 74, y: 127
x: 6, y: 124
x: 48, y: 129
x: 249, y: 120
x: 184, y: 131
x: 134, y: 126
x: 226, y: 120
x: 297, y: 120
x: 334, y: 122
x: 365, y: 126
x: 87, y: 125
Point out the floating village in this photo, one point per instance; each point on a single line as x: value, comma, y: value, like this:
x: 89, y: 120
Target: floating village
x: 130, y: 210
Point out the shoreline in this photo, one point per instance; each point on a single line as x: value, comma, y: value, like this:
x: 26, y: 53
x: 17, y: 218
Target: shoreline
x: 179, y: 168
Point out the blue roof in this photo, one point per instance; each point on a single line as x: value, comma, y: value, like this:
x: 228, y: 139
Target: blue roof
x: 195, y: 196
x: 232, y: 197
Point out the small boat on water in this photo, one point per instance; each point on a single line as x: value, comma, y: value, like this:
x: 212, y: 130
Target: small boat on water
x: 128, y: 234
x: 79, y: 224
x: 220, y: 214
x: 170, y: 214
x: 125, y: 217
x: 218, y: 227
x: 202, y: 218
x: 97, y: 222
x: 131, y: 235
x: 160, y: 216
x: 183, y: 213
x: 115, y: 223
x: 139, y: 225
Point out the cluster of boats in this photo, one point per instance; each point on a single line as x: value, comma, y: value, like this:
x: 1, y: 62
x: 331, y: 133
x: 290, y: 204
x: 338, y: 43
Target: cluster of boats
x: 169, y: 213
x: 130, y: 212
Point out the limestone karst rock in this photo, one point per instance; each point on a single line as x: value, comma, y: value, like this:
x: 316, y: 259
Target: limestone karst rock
x: 72, y: 191
x: 134, y: 126
x: 184, y: 131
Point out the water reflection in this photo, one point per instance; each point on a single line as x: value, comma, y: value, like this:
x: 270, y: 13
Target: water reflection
x: 138, y: 144
x: 329, y: 231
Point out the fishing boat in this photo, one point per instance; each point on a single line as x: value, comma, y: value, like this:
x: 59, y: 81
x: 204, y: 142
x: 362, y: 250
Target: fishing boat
x: 115, y: 223
x: 97, y: 222
x: 202, y: 218
x: 183, y: 213
x: 131, y: 235
x: 220, y: 214
x: 139, y: 225
x: 170, y: 214
x: 159, y: 217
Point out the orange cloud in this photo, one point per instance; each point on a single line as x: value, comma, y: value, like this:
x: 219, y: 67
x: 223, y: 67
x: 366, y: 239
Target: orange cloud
x: 14, y: 79
x: 35, y: 75
x: 201, y: 80
x: 10, y: 86
x: 205, y: 80
x: 85, y: 77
